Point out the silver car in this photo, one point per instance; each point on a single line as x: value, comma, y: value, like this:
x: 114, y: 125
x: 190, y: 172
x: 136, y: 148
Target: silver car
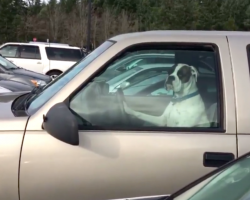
x: 137, y: 74
x: 135, y: 60
x: 72, y: 139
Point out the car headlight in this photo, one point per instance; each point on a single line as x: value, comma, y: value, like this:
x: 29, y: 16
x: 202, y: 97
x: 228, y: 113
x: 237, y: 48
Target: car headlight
x: 38, y: 82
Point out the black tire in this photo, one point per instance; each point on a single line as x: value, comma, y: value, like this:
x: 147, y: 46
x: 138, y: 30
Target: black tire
x: 54, y: 74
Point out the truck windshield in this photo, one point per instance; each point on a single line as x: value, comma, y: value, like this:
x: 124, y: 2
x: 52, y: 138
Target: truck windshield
x: 52, y: 88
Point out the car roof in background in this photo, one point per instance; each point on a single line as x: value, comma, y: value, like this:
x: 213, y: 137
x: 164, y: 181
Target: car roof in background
x: 160, y: 65
x: 127, y: 74
x: 55, y: 45
x: 153, y: 54
x: 128, y: 58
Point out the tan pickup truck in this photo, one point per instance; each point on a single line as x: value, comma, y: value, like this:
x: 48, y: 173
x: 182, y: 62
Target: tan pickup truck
x: 169, y: 123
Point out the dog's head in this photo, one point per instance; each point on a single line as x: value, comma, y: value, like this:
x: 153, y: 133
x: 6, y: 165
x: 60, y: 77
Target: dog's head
x: 180, y: 77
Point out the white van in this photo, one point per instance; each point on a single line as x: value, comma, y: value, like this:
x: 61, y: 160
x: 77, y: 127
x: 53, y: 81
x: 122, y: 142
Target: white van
x: 47, y: 58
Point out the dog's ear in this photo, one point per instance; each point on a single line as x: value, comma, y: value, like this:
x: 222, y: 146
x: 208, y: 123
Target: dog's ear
x: 194, y: 72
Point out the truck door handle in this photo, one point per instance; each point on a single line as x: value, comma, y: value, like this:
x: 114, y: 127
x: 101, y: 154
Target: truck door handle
x: 39, y: 63
x: 216, y: 159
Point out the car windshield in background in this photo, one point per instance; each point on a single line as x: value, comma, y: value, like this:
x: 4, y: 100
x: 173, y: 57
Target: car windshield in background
x: 63, y: 54
x: 122, y: 76
x: 135, y: 88
x: 135, y: 60
x: 53, y: 87
x: 232, y: 183
x: 6, y: 64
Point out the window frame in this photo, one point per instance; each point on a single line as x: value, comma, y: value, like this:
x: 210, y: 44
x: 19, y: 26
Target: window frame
x: 17, y: 52
x: 248, y: 56
x: 166, y: 46
x: 35, y: 46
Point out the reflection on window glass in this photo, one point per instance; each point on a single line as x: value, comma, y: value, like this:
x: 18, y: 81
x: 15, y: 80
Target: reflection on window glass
x: 162, y: 92
x: 144, y: 86
x: 55, y: 53
x: 6, y: 64
x: 138, y: 58
x: 233, y: 183
x: 30, y: 52
x: 9, y: 51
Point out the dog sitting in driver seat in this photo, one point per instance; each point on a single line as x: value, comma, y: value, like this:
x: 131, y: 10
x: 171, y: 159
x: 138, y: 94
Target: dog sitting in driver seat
x: 186, y: 108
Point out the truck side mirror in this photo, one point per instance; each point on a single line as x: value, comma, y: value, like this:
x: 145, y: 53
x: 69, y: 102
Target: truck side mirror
x: 60, y: 123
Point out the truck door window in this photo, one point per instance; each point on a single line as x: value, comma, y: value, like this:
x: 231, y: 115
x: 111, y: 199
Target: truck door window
x: 134, y: 104
x: 30, y: 52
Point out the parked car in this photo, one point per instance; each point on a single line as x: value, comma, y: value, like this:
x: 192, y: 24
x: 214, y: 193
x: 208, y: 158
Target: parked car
x: 137, y: 74
x: 46, y: 58
x: 133, y: 60
x: 4, y: 90
x: 14, y: 86
x: 229, y: 182
x: 72, y: 139
x: 9, y: 71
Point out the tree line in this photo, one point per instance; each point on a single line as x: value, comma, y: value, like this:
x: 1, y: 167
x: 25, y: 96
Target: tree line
x: 66, y: 20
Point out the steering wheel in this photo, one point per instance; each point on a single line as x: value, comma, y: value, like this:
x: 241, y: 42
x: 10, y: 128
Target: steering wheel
x: 120, y: 99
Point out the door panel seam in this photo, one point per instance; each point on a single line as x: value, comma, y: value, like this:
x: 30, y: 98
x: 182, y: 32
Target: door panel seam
x: 20, y: 156
x: 236, y: 135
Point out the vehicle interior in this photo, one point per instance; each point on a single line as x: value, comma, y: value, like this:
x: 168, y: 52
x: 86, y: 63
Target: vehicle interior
x: 96, y: 106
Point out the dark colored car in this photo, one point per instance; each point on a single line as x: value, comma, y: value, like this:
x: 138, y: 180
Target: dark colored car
x: 9, y: 71
x: 15, y: 86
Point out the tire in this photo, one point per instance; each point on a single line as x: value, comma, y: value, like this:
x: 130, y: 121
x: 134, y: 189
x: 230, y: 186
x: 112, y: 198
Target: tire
x: 54, y: 74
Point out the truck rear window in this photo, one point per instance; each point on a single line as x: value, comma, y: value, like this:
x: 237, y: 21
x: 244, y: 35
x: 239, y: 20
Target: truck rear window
x: 63, y: 54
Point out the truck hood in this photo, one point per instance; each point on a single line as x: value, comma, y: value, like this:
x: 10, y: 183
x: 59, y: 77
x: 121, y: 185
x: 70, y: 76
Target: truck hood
x: 8, y: 122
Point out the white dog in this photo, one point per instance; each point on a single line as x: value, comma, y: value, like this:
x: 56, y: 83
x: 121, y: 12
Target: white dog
x: 186, y: 108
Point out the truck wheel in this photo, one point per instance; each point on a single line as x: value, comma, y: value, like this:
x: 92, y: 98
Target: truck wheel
x: 54, y: 74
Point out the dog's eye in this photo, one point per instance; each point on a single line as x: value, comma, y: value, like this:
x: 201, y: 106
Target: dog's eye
x: 179, y: 74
